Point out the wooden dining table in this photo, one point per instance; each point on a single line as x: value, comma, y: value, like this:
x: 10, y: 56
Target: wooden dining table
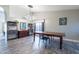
x: 54, y: 34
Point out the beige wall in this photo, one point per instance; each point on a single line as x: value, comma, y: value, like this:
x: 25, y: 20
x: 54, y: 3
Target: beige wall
x: 52, y: 22
x: 17, y: 12
x: 6, y: 9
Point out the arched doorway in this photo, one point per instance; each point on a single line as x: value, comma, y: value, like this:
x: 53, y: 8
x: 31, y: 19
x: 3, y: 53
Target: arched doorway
x: 2, y: 24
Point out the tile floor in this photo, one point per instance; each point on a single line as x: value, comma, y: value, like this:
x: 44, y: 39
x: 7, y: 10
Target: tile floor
x: 27, y: 46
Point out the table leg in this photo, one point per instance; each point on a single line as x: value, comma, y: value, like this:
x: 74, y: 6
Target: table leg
x: 61, y: 38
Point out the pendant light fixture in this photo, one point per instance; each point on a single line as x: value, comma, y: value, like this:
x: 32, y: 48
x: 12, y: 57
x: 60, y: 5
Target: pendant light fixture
x: 30, y: 12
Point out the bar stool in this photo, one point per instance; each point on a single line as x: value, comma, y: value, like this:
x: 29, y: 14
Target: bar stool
x: 45, y: 38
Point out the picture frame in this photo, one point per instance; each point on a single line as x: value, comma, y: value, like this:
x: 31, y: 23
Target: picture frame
x: 63, y: 21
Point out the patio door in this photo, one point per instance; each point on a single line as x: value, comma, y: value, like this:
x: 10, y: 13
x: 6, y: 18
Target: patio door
x: 39, y: 26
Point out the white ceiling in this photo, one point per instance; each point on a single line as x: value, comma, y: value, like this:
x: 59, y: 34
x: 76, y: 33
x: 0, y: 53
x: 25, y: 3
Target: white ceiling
x: 43, y: 8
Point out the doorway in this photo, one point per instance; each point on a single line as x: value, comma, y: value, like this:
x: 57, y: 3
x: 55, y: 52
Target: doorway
x: 39, y: 26
x: 2, y: 24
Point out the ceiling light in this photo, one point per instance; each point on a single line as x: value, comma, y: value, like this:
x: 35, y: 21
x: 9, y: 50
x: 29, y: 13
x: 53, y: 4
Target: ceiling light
x: 30, y: 6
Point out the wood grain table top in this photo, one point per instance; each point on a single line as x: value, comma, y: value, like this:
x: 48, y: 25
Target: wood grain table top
x: 50, y: 33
